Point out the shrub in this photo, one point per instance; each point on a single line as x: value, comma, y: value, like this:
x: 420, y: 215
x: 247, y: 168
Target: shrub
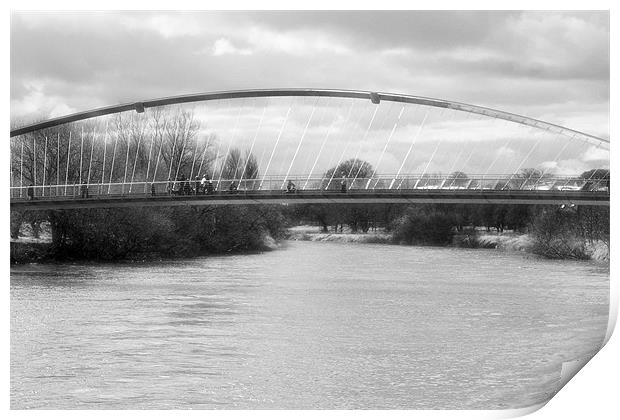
x: 556, y: 235
x: 110, y: 234
x: 419, y: 228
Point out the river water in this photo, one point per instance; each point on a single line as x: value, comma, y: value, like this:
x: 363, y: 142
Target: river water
x: 311, y: 325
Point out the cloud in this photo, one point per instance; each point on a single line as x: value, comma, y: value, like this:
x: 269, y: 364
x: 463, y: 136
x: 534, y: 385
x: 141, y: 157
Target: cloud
x: 298, y: 42
x: 596, y: 154
x: 172, y: 25
x: 224, y: 46
x: 375, y: 30
x: 38, y: 105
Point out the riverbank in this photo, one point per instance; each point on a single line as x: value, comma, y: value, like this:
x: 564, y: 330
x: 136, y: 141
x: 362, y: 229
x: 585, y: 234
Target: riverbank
x: 309, y: 233
x: 23, y: 252
x: 507, y: 241
x: 31, y: 250
x: 146, y: 234
x: 28, y: 249
x: 596, y: 250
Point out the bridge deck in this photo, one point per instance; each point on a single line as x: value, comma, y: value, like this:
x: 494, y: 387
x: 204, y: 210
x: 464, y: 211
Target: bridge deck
x: 592, y: 198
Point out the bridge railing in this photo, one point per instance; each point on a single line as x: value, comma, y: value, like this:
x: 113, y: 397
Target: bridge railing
x: 301, y: 183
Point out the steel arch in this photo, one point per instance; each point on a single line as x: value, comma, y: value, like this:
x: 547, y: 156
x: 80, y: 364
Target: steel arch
x: 375, y: 97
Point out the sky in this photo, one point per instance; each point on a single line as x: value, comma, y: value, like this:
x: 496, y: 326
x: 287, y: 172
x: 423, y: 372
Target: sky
x: 552, y: 66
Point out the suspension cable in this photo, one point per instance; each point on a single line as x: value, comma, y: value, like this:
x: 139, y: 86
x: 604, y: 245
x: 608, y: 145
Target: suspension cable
x: 557, y: 156
x: 471, y: 153
x: 90, y: 160
x: 346, y: 146
x: 174, y: 146
x: 21, y: 169
x: 105, y: 149
x: 303, y: 135
x: 402, y: 164
x: 505, y: 147
x: 185, y: 140
x: 81, y: 152
x: 374, y: 114
x: 384, y: 149
x: 148, y: 164
x: 204, y: 152
x: 531, y: 131
x: 382, y: 126
x: 127, y: 156
x: 113, y: 158
x: 260, y: 124
x: 522, y: 162
x: 161, y: 144
x: 135, y: 161
x: 332, y: 155
x: 329, y: 130
x: 451, y: 170
x: 276, y: 144
x: 213, y: 176
x: 311, y: 156
x: 191, y: 172
x: 44, y: 167
x: 68, y: 156
x: 57, y: 161
x: 432, y: 157
x: 216, y: 161
x: 34, y: 160
x: 428, y: 163
x: 230, y: 141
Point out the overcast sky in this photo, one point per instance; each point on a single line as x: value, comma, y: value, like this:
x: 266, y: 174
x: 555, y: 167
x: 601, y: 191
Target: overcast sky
x: 552, y: 66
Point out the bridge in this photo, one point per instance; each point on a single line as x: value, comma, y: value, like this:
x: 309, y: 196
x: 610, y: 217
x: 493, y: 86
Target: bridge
x: 487, y: 190
x: 138, y: 154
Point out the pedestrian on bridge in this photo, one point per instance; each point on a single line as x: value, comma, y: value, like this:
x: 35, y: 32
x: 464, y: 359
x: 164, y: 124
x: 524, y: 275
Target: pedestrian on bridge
x: 290, y: 187
x: 187, y: 188
x: 170, y: 187
x: 84, y: 191
x: 203, y: 183
x: 343, y: 184
x: 30, y: 192
x: 183, y: 185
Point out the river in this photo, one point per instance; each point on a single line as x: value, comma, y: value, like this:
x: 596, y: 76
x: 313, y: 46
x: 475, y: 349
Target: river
x: 310, y: 325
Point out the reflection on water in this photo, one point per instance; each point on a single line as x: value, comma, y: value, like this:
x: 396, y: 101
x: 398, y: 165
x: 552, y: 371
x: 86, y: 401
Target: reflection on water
x: 314, y: 325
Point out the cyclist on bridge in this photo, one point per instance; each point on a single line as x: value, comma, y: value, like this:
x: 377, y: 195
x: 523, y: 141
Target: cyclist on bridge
x: 290, y: 187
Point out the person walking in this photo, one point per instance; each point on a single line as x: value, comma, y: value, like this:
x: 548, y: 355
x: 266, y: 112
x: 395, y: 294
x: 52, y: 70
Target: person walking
x: 182, y: 184
x: 343, y: 184
x: 187, y: 188
x: 203, y: 183
x: 170, y: 187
